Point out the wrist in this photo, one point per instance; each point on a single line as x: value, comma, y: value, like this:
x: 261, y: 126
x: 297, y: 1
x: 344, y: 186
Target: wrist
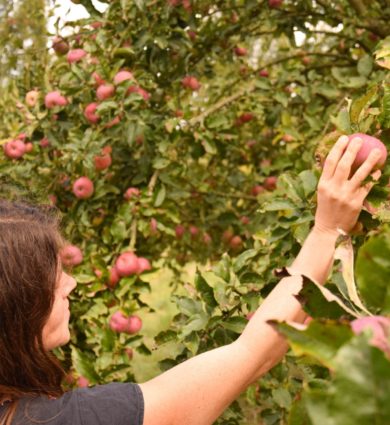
x: 329, y: 233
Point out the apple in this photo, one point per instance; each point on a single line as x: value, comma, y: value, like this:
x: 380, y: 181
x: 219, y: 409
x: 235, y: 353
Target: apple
x: 113, y: 122
x: 270, y: 183
x: 54, y: 98
x: 134, y: 324
x: 90, y: 113
x: 98, y: 273
x: 369, y: 143
x: 227, y: 236
x: 113, y: 277
x: 207, y: 238
x: 123, y: 76
x: 131, y: 192
x: 127, y: 264
x: 71, y: 255
x: 179, y: 231
x: 107, y: 149
x: 76, y: 55
x: 60, y: 46
x: 83, y: 188
x: 257, y: 189
x: 275, y: 4
x: 264, y: 73
x: 98, y: 79
x: 32, y: 98
x: 153, y: 225
x: 246, y: 117
x: 119, y: 322
x: 14, y: 149
x: 191, y: 82
x: 240, y: 51
x: 29, y: 147
x: 102, y: 162
x: 129, y: 353
x: 380, y: 328
x: 139, y: 90
x: 193, y: 231
x: 143, y: 265
x: 244, y: 220
x: 235, y: 242
x: 44, y: 143
x: 105, y: 91
x: 82, y: 382
x: 95, y: 25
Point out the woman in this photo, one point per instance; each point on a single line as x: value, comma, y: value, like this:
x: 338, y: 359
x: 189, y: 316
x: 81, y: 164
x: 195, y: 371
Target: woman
x: 34, y: 319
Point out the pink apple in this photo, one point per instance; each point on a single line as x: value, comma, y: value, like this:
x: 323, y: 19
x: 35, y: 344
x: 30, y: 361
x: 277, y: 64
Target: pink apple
x: 235, y: 242
x: 83, y: 188
x: 142, y: 92
x: 119, y: 322
x: 113, y: 122
x: 153, y: 225
x: 245, y: 220
x: 135, y: 324
x: 131, y: 192
x: 54, y: 98
x: 143, y: 265
x: 257, y: 189
x: 14, y: 149
x: 71, y: 255
x: 32, y: 98
x: 98, y: 79
x: 44, y: 143
x: 90, y: 113
x: 127, y: 264
x: 82, y: 382
x: 194, y: 231
x: 369, y: 143
x: 105, y: 91
x: 123, y: 76
x: 102, y: 162
x: 380, y: 328
x: 76, y: 55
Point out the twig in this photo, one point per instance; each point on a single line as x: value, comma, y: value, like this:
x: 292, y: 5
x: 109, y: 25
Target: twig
x: 153, y: 182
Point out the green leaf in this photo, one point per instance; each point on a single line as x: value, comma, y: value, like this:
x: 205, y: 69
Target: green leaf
x: 205, y: 291
x: 243, y: 259
x: 83, y: 364
x: 365, y: 65
x: 373, y: 271
x: 160, y: 197
x: 235, y: 324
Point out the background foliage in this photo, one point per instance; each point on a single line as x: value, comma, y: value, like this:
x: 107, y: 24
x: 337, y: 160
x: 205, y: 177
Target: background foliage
x: 266, y: 109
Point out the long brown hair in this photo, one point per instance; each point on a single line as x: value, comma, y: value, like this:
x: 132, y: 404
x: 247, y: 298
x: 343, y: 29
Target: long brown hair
x: 30, y: 240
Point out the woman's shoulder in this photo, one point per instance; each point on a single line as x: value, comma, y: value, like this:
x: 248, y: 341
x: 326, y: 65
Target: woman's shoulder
x: 115, y: 404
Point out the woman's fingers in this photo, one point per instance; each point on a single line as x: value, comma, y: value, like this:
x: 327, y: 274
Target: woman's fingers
x: 366, y: 168
x: 343, y: 169
x: 334, y: 157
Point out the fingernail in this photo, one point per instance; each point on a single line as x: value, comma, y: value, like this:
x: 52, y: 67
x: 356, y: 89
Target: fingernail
x: 343, y: 139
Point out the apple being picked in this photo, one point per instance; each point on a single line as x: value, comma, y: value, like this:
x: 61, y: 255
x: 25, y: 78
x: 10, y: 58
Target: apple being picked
x: 369, y: 143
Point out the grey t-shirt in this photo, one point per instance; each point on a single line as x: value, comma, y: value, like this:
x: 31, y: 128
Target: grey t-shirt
x: 110, y: 404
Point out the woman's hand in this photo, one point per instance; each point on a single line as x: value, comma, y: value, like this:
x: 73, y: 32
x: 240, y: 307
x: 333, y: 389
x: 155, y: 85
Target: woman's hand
x: 340, y: 196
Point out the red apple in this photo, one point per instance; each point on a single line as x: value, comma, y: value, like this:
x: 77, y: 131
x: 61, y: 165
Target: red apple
x: 54, y: 98
x: 264, y: 73
x: 113, y: 122
x: 14, y: 149
x: 179, y: 231
x: 194, y: 231
x: 246, y: 117
x: 29, y: 147
x: 275, y: 4
x: 191, y: 82
x: 235, y: 242
x: 119, y: 322
x: 90, y: 113
x: 105, y: 91
x: 102, y: 162
x: 83, y: 188
x: 127, y: 264
x: 245, y: 220
x: 134, y: 324
x: 95, y: 25
x: 227, y: 236
x: 153, y: 225
x: 98, y: 79
x: 32, y: 98
x: 131, y: 192
x: 369, y: 143
x: 76, y: 55
x: 123, y: 76
x: 129, y: 353
x: 240, y: 51
x: 44, y: 143
x: 256, y: 190
x: 82, y: 382
x: 71, y: 255
x: 113, y: 277
x: 270, y: 182
x: 143, y: 265
x: 98, y: 273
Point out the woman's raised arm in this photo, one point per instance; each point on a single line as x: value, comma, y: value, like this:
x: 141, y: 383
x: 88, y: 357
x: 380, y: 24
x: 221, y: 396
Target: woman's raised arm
x: 198, y: 390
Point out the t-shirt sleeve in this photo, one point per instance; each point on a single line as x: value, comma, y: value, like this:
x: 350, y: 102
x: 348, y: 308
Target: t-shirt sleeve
x: 111, y: 404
